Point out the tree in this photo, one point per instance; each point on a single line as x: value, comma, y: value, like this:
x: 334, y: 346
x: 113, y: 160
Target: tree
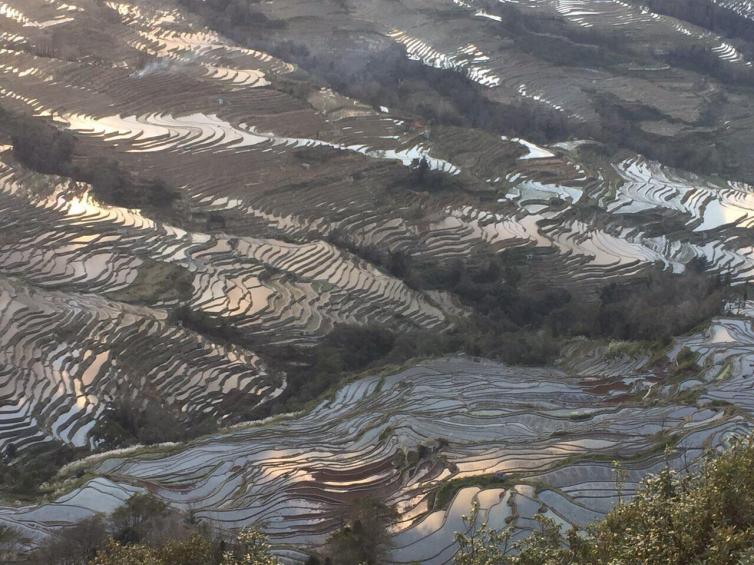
x: 73, y: 545
x: 196, y: 550
x: 480, y: 544
x: 420, y: 168
x: 116, y: 554
x: 251, y: 548
x: 365, y: 537
x: 131, y: 521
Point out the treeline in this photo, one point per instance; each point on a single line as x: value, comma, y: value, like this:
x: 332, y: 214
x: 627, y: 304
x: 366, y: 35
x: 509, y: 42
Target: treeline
x: 508, y: 319
x: 146, y: 531
x: 653, y: 307
x: 24, y: 473
x: 126, y: 422
x: 44, y: 148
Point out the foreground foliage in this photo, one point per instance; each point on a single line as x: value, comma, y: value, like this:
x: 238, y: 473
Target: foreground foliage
x: 145, y: 531
x: 675, y: 519
x: 251, y: 548
x: 703, y: 516
x: 364, y: 537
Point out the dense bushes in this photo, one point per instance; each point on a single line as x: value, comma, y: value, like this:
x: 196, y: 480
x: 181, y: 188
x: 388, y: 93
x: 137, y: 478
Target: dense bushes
x: 249, y: 548
x: 312, y: 371
x: 157, y: 281
x: 144, y: 531
x: 26, y: 474
x: 659, y: 306
x: 126, y: 421
x: 354, y: 348
x: 75, y: 545
x: 653, y: 307
x: 674, y: 519
x: 114, y: 185
x: 38, y: 145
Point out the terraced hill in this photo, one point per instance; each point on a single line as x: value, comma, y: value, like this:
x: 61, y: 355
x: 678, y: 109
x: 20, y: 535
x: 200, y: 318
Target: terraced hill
x: 397, y: 168
x: 546, y: 437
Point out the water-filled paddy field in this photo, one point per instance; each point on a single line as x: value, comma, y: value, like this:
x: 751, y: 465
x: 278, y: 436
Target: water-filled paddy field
x: 287, y: 190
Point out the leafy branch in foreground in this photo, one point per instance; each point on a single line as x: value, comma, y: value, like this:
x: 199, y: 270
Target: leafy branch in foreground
x: 674, y: 519
x: 482, y: 545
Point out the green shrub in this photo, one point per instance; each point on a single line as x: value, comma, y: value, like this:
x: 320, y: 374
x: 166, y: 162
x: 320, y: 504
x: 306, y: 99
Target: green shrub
x: 674, y: 519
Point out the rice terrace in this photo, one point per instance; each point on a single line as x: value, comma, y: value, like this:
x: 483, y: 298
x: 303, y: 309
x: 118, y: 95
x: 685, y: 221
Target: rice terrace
x: 357, y: 280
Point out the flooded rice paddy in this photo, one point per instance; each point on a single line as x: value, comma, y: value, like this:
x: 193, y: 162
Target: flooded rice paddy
x: 529, y: 427
x: 298, y: 183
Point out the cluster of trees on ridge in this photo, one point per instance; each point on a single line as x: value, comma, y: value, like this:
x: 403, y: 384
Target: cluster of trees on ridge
x: 145, y: 531
x: 507, y: 319
x: 46, y: 149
